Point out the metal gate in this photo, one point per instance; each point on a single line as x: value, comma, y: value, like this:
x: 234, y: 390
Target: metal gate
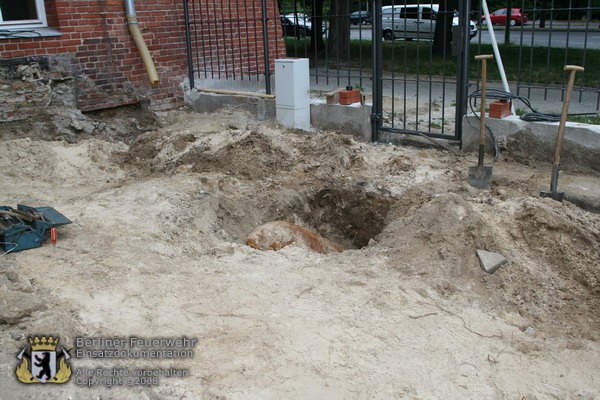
x: 416, y: 89
x: 232, y: 44
x: 413, y: 93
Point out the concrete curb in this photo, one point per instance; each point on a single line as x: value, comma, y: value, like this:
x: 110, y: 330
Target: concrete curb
x: 526, y: 141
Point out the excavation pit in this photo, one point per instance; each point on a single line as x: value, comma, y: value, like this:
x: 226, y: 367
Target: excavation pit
x: 350, y: 215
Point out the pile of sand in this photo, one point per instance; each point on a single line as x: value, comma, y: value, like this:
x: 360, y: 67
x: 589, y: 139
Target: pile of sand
x: 157, y: 248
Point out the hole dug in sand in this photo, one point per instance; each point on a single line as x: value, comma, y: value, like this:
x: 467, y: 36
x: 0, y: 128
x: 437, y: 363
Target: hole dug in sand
x: 329, y: 219
x: 350, y: 215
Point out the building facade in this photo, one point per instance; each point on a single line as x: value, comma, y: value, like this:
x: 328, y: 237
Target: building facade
x: 90, y: 43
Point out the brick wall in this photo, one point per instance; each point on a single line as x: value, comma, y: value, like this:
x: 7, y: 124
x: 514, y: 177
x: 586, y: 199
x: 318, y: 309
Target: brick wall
x: 105, y: 62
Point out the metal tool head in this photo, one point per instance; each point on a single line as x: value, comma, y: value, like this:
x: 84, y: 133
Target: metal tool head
x: 480, y: 177
x: 554, y: 193
x: 558, y: 196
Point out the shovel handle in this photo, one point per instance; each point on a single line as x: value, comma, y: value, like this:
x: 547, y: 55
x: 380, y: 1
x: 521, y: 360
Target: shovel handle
x: 575, y: 68
x: 483, y: 58
x: 563, y: 117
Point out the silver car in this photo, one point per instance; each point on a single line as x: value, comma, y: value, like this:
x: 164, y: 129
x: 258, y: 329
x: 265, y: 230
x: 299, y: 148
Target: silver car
x: 414, y: 21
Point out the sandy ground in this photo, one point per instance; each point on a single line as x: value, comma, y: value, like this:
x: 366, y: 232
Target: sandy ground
x: 157, y: 249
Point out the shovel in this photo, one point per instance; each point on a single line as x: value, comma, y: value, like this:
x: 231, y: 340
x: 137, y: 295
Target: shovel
x: 480, y: 176
x: 553, y: 193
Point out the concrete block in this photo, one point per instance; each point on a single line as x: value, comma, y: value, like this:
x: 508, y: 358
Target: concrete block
x: 526, y: 141
x: 352, y: 120
x: 490, y: 261
x: 263, y: 109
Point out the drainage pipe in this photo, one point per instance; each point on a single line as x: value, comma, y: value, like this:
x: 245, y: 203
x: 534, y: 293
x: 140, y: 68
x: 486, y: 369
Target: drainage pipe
x: 134, y: 29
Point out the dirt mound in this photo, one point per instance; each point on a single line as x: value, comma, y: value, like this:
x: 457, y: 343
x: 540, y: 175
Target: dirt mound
x: 32, y: 160
x: 563, y: 237
x: 327, y: 155
x: 55, y: 123
x: 248, y: 152
x: 253, y: 157
x: 157, y: 248
x: 553, y: 252
x: 555, y: 278
x: 442, y: 234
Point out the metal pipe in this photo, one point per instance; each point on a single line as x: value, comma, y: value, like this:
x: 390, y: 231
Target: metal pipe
x: 134, y: 29
x: 486, y: 13
x: 463, y: 80
x: 377, y: 107
x: 188, y: 43
x: 265, y: 26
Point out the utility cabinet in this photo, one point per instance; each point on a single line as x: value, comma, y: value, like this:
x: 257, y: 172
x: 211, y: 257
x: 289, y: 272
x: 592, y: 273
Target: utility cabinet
x: 292, y: 98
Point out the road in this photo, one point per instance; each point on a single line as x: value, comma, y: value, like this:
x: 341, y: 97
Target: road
x: 545, y: 38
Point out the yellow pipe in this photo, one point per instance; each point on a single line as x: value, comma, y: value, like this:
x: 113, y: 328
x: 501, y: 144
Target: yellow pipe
x: 134, y: 28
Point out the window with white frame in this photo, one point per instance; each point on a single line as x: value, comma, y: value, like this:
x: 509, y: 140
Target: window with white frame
x: 16, y: 14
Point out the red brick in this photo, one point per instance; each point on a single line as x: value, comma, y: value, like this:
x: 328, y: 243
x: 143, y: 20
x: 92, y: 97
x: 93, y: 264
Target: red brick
x: 30, y: 45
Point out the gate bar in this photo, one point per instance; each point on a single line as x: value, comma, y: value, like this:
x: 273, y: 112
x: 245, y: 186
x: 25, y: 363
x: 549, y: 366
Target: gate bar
x: 376, y: 37
x: 265, y: 25
x: 463, y: 75
x: 188, y: 41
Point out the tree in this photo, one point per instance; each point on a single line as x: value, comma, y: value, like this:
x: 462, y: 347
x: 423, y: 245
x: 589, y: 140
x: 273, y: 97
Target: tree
x: 543, y: 14
x: 338, y: 42
x: 316, y: 42
x: 442, y: 40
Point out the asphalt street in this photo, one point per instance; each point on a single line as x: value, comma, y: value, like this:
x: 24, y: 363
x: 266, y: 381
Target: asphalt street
x: 560, y: 37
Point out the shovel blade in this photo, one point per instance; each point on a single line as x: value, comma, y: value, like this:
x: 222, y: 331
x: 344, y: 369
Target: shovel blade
x: 553, y: 193
x: 480, y: 177
x: 558, y: 196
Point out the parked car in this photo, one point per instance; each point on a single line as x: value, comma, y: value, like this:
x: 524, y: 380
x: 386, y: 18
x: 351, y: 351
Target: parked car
x: 517, y: 17
x: 414, y: 21
x: 361, y: 17
x: 296, y: 25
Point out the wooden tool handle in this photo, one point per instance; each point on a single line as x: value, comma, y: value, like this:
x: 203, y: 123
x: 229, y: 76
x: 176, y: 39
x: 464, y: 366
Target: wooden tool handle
x: 576, y: 68
x: 483, y: 58
x: 563, y: 117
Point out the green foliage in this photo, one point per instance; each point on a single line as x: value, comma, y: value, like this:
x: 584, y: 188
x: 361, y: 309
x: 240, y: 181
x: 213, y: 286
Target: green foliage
x: 541, y: 65
x: 585, y: 119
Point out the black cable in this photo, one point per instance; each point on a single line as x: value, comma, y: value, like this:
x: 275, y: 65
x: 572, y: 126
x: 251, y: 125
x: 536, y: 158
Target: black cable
x: 472, y: 97
x: 533, y: 116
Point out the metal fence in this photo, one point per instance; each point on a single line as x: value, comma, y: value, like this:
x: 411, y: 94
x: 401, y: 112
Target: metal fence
x: 232, y: 41
x: 414, y: 87
x: 553, y: 34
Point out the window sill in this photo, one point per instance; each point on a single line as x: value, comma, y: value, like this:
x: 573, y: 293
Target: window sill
x: 28, y: 33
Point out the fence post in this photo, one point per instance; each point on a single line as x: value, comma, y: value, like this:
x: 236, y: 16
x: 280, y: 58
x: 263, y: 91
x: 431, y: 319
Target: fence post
x: 265, y: 22
x: 462, y: 84
x: 188, y: 40
x: 507, y: 25
x: 376, y: 34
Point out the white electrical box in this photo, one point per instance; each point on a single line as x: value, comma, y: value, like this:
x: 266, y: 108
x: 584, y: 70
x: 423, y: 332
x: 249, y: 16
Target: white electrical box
x: 292, y: 98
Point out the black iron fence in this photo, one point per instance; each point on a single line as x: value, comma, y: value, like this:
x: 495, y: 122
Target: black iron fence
x: 233, y: 41
x: 537, y: 39
x: 417, y: 86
